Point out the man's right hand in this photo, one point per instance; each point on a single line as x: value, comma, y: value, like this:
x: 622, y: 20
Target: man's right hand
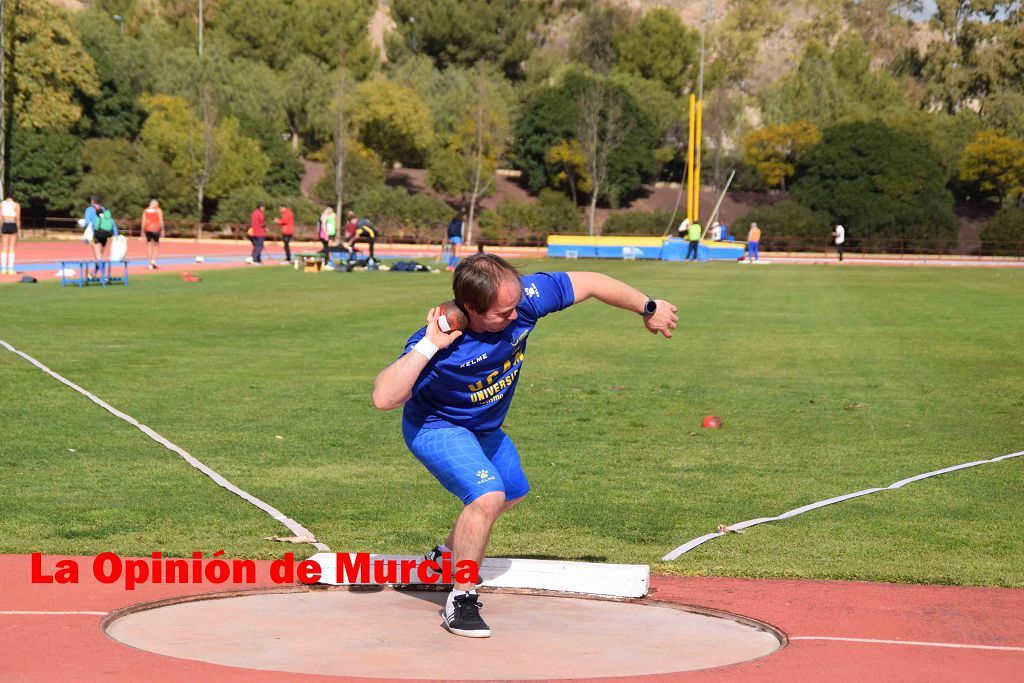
x: 435, y: 335
x: 664, y: 319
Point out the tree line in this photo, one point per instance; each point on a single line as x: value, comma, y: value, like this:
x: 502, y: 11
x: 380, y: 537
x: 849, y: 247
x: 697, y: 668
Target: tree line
x: 872, y: 119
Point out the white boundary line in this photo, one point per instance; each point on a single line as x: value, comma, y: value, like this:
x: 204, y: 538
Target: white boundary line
x: 739, y: 526
x: 1001, y: 648
x: 293, y: 526
x: 25, y: 612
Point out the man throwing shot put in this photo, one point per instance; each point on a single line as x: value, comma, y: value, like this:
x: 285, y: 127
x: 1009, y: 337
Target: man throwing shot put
x: 457, y: 388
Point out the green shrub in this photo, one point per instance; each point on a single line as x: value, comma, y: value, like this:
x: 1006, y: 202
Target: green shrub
x: 393, y: 209
x: 240, y: 203
x: 511, y: 219
x: 284, y: 176
x: 786, y: 219
x: 125, y: 195
x: 556, y: 213
x: 551, y: 117
x: 1005, y: 231
x: 637, y: 223
x: 45, y: 169
x: 307, y: 212
x: 363, y: 171
x: 553, y: 212
x: 238, y: 206
x: 878, y: 182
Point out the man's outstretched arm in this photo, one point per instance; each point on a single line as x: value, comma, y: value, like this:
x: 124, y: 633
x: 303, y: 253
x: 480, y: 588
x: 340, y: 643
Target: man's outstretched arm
x: 393, y: 386
x: 616, y: 293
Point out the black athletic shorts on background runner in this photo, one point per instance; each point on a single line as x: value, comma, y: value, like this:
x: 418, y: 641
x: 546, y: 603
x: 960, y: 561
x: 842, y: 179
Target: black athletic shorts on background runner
x: 152, y: 237
x: 9, y: 229
x: 100, y: 237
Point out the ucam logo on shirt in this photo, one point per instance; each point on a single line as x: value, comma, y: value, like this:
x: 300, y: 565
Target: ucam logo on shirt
x: 470, y: 384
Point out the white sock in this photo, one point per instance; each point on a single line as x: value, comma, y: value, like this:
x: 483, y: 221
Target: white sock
x: 457, y: 593
x: 10, y: 261
x: 444, y: 548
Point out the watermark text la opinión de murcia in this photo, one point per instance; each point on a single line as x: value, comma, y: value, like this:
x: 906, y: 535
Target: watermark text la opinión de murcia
x: 351, y: 568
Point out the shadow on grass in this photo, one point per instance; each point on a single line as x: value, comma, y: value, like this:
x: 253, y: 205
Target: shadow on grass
x: 559, y: 558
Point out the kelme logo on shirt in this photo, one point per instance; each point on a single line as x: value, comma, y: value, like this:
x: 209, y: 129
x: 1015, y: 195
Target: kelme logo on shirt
x: 482, y: 356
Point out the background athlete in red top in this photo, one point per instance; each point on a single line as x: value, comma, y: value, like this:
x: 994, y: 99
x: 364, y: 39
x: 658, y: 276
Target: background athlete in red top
x: 152, y: 227
x: 287, y: 223
x: 257, y: 233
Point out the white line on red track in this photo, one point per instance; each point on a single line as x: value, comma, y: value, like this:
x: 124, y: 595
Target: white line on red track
x: 961, y: 646
x: 25, y: 612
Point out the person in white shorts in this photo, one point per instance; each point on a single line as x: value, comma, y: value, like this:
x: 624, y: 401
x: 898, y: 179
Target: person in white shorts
x: 10, y: 231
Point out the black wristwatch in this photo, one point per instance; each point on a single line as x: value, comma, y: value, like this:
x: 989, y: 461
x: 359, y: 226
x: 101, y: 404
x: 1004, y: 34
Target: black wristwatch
x: 650, y: 308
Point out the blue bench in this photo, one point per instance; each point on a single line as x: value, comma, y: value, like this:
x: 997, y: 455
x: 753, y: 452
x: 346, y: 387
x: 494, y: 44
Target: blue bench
x: 106, y: 276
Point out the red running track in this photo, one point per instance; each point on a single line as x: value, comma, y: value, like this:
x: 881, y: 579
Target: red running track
x: 944, y: 633
x: 178, y: 255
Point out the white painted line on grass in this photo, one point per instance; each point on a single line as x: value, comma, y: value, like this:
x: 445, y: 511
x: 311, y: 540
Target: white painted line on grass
x: 739, y: 526
x: 293, y: 526
x: 25, y: 612
x: 959, y: 646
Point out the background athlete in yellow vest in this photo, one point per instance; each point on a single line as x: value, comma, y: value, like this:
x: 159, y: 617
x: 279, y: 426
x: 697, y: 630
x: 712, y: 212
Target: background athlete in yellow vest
x: 693, y: 233
x: 327, y: 228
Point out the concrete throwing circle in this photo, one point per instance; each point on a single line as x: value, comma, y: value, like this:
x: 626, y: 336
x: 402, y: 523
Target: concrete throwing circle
x: 399, y: 634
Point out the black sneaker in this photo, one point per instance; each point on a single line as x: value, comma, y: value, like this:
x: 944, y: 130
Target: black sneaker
x: 462, y: 616
x: 434, y: 554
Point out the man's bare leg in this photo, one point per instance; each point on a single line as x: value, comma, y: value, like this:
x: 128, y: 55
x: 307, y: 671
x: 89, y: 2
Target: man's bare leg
x: 97, y: 252
x: 469, y: 538
x: 508, y: 505
x: 473, y: 530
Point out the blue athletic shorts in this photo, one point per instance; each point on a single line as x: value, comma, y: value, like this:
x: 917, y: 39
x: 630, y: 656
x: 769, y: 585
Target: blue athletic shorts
x: 468, y: 464
x: 455, y: 239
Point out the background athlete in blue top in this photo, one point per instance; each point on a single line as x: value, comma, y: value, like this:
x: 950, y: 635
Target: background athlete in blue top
x: 457, y: 388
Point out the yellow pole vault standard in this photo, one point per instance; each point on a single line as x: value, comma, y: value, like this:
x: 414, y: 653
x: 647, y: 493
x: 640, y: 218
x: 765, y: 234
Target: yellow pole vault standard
x: 696, y: 166
x: 689, y: 159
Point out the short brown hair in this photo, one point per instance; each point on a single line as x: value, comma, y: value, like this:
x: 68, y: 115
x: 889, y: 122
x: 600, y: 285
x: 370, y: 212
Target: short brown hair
x: 478, y: 278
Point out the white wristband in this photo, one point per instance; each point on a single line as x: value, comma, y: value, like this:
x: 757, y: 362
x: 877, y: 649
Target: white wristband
x: 425, y: 347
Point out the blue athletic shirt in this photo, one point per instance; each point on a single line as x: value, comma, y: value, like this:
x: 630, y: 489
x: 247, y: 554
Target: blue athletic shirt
x: 91, y: 217
x: 470, y: 384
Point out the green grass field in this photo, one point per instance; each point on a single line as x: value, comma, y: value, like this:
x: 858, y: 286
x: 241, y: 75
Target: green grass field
x: 829, y: 380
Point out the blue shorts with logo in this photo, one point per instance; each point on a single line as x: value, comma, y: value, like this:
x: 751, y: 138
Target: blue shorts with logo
x: 468, y: 464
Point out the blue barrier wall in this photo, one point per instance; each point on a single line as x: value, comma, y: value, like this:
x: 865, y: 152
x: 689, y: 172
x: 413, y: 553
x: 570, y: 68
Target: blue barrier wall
x: 640, y: 247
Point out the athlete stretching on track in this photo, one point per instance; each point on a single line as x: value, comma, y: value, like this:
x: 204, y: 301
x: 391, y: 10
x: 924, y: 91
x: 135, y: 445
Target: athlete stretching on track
x: 457, y: 388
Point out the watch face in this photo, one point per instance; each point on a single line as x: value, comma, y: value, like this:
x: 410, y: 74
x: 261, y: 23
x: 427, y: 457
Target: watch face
x: 650, y: 307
